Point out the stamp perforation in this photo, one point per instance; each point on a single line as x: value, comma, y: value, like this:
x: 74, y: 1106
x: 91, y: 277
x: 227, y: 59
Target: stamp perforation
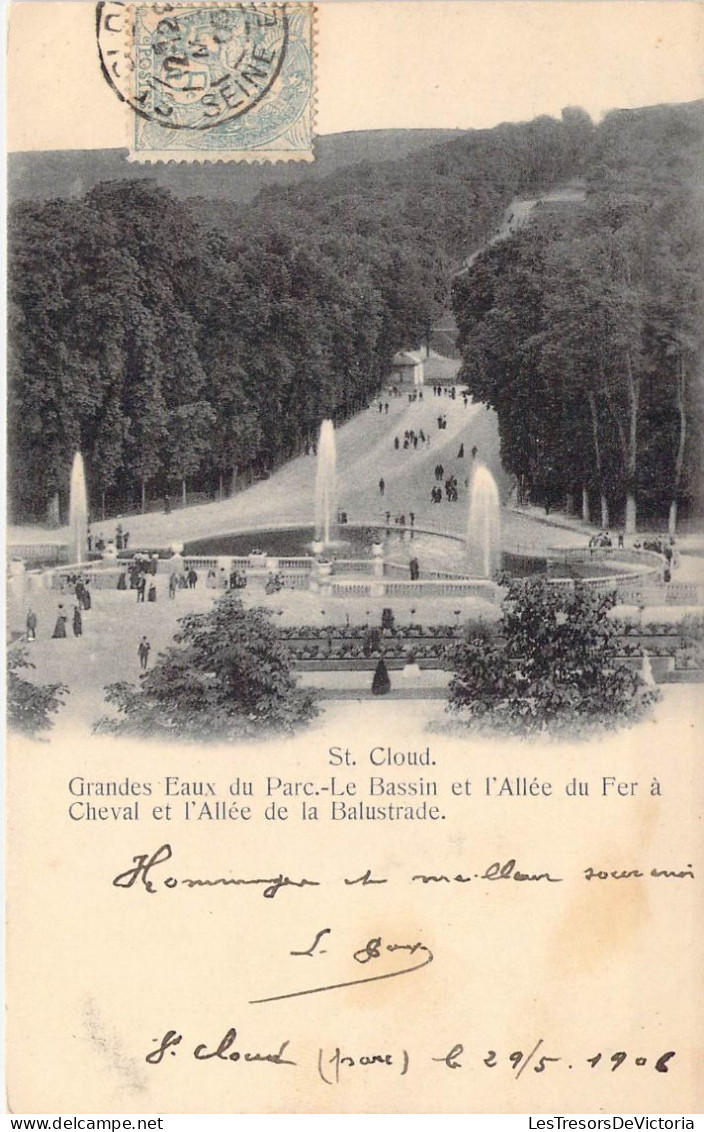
x: 195, y: 89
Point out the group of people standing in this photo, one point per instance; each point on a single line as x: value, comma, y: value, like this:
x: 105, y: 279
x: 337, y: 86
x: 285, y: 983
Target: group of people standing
x: 603, y: 541
x: 411, y: 439
x: 451, y: 491
x: 84, y: 602
x: 141, y: 574
x: 664, y: 545
x: 450, y: 485
x: 400, y: 520
x: 182, y: 580
x: 121, y: 540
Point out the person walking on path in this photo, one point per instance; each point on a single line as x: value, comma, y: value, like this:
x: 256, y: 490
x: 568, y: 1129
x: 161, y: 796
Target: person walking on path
x: 31, y: 625
x: 381, y: 684
x: 151, y: 596
x: 141, y: 587
x: 77, y: 622
x: 382, y: 486
x: 60, y: 626
x: 86, y: 600
x: 143, y: 653
x: 173, y: 584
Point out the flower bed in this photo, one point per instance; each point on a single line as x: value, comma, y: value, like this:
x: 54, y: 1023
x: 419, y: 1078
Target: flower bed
x: 352, y: 646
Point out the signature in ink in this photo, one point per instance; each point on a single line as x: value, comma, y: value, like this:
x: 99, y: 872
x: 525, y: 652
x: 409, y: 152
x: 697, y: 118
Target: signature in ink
x: 373, y: 950
x: 312, y: 949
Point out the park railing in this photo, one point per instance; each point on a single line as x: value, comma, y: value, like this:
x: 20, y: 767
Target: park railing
x: 202, y: 562
x: 352, y: 589
x: 443, y: 587
x: 424, y: 587
x: 667, y: 593
x: 629, y: 555
x: 43, y: 553
x: 301, y: 563
x: 353, y: 565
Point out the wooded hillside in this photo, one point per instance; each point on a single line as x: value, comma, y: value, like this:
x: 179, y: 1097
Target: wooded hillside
x: 585, y: 330
x: 172, y: 349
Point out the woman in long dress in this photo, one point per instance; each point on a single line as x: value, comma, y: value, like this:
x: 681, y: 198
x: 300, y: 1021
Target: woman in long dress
x: 60, y: 626
x: 77, y: 622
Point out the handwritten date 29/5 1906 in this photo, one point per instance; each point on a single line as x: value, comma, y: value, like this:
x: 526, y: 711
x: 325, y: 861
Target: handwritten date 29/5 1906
x: 335, y: 1062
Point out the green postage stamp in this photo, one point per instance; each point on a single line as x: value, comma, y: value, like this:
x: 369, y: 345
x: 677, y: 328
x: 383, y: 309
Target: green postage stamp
x: 212, y: 82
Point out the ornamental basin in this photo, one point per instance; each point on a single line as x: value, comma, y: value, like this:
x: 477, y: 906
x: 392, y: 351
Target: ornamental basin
x: 435, y: 551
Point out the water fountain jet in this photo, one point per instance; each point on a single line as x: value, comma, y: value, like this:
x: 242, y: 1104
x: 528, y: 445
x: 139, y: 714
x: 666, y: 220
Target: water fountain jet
x: 483, y: 524
x: 78, y: 512
x: 326, y: 486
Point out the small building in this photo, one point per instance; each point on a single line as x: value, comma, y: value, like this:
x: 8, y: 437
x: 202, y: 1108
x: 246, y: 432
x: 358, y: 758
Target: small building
x: 407, y: 368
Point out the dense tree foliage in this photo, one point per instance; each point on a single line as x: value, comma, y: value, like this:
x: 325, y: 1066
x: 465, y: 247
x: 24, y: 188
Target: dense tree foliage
x: 553, y: 664
x: 30, y: 706
x: 176, y: 353
x: 585, y: 330
x: 227, y: 676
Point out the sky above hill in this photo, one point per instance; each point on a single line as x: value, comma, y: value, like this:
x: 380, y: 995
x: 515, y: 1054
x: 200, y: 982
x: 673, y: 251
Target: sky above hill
x: 395, y: 63
x: 475, y: 64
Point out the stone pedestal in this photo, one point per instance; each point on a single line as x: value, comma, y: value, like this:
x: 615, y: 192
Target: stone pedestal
x: 321, y: 577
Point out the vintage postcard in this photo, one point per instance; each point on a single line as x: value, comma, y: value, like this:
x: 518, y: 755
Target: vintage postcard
x: 355, y: 579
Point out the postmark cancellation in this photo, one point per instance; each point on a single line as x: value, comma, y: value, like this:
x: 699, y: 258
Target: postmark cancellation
x: 212, y: 82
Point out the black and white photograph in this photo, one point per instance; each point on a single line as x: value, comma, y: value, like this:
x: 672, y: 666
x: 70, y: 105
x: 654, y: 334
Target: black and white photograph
x: 355, y: 556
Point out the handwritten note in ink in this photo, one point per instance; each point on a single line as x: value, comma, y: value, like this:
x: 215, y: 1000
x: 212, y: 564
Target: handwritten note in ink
x: 355, y: 584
